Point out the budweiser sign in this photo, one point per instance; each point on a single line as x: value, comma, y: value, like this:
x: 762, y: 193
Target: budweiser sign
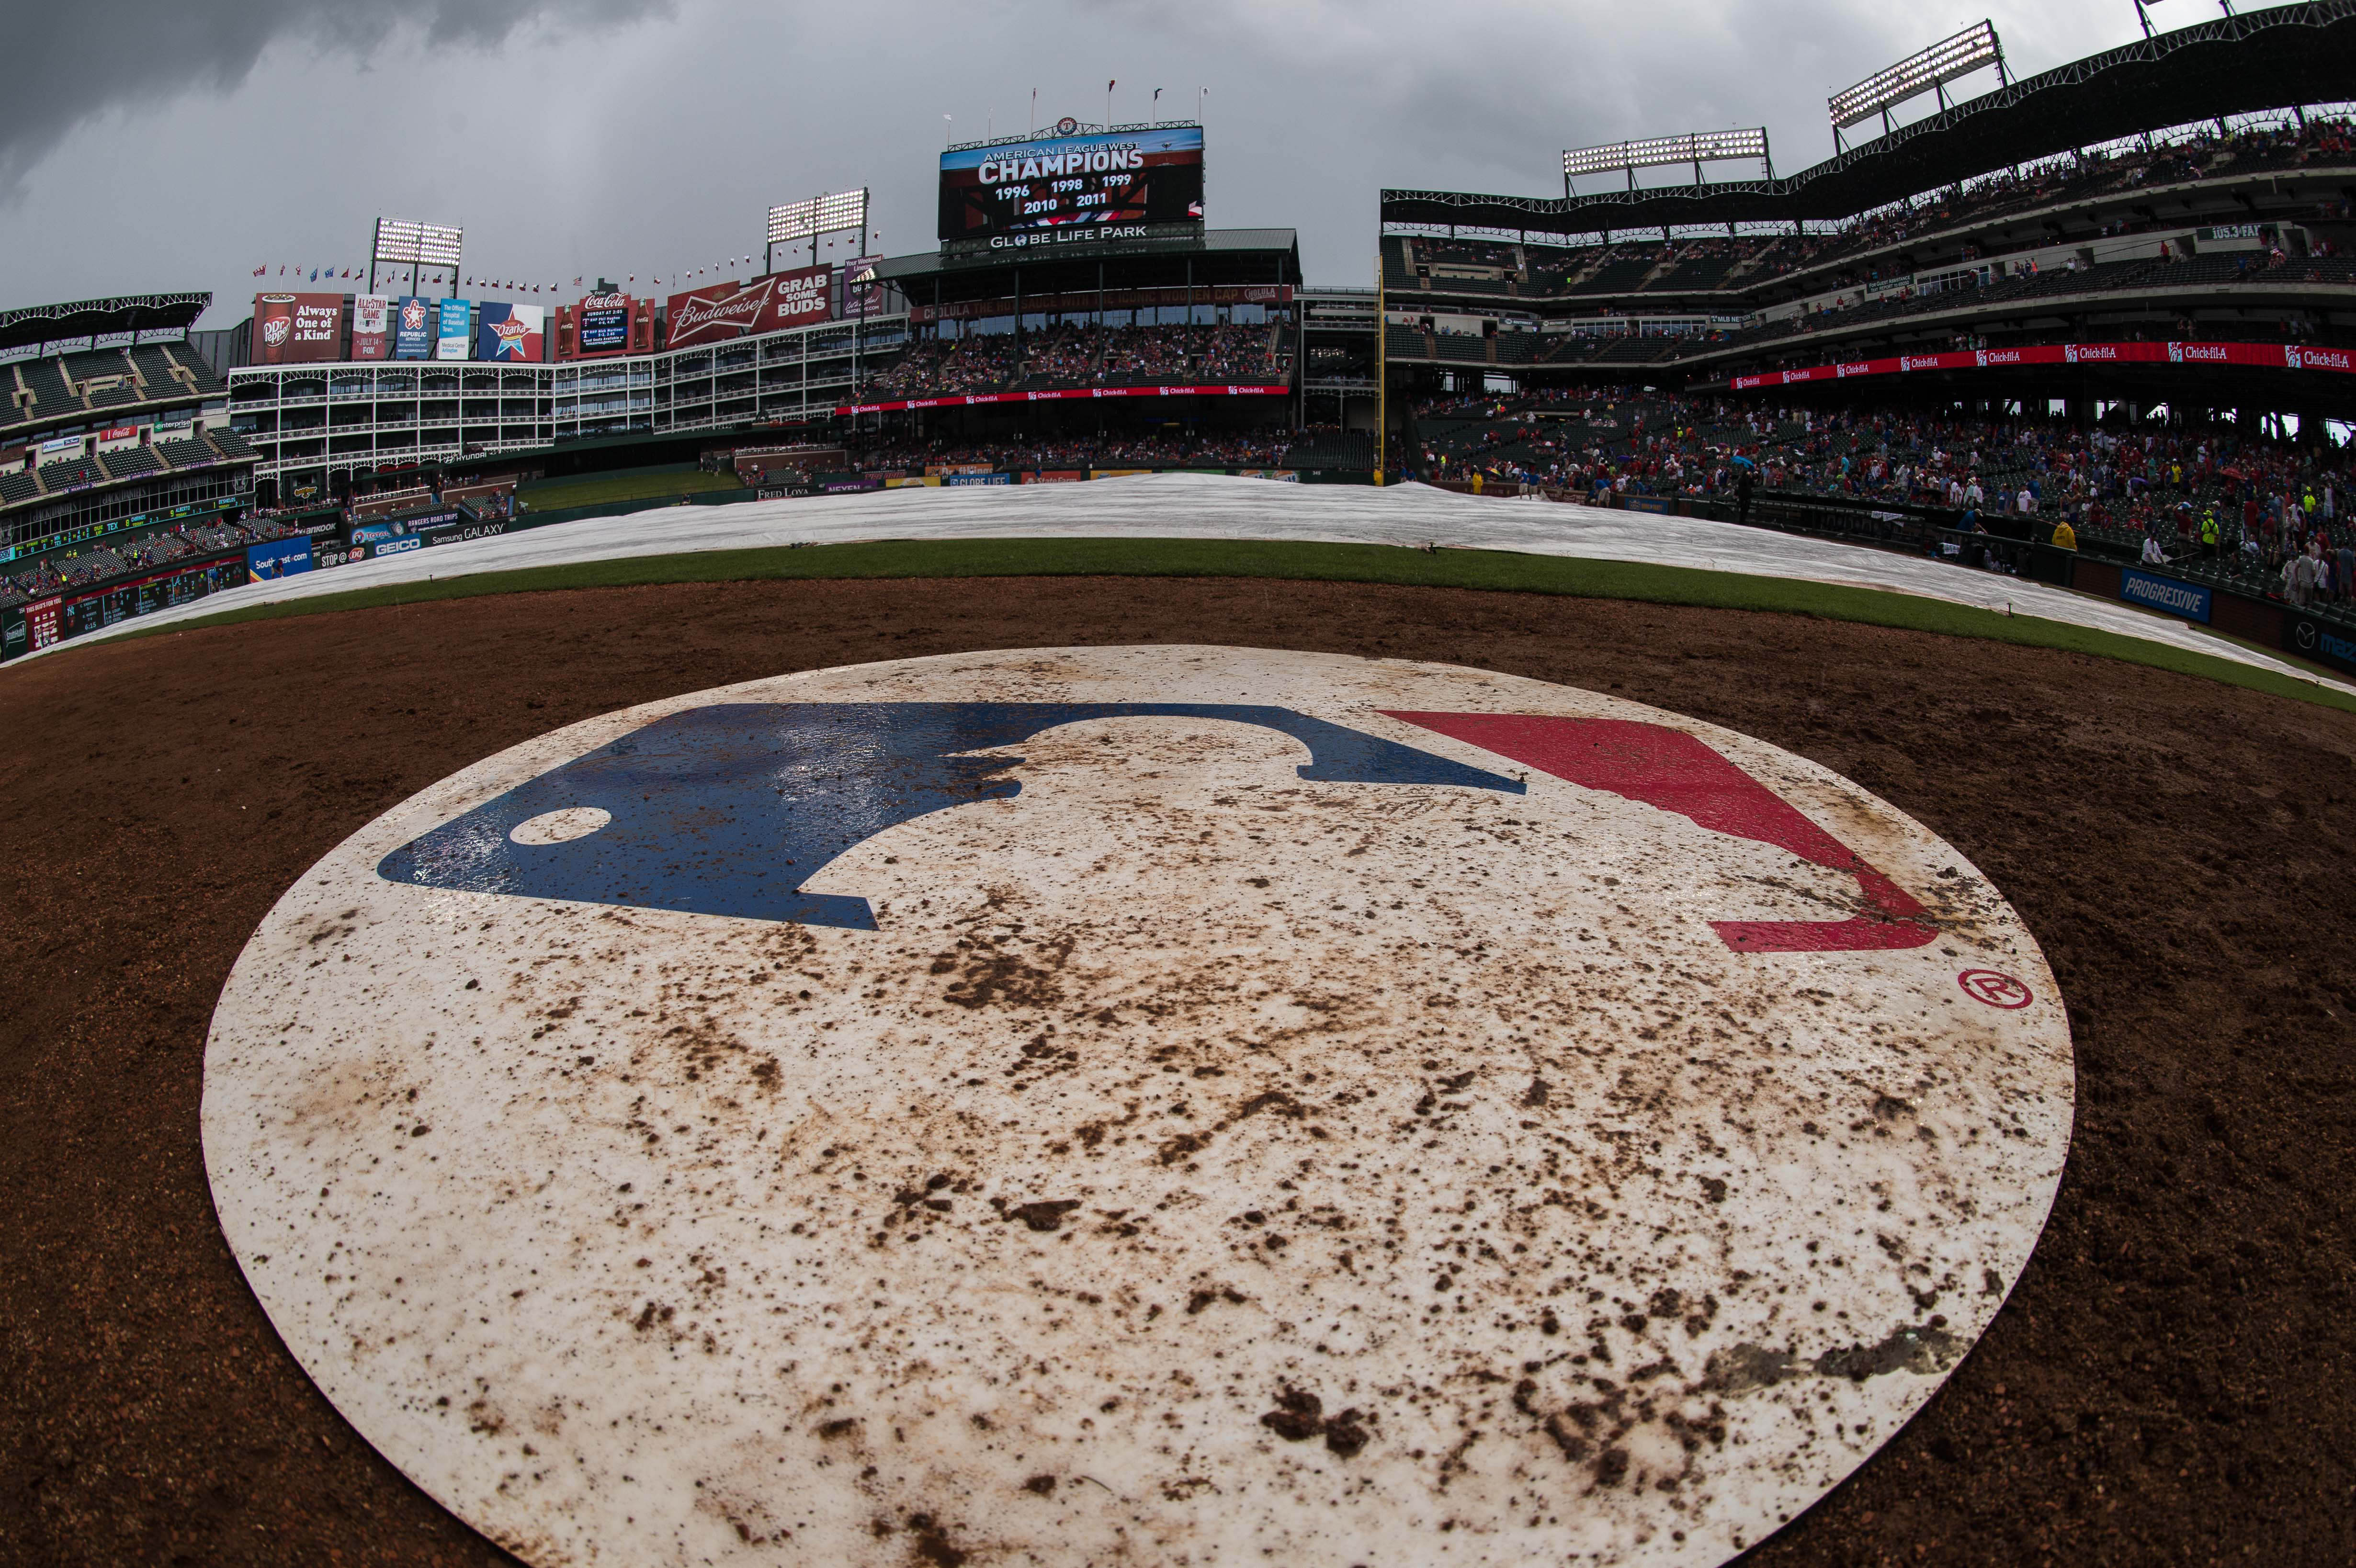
x: 740, y: 310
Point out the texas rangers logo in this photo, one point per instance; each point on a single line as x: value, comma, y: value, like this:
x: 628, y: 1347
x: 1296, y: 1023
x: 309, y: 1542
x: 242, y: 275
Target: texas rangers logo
x: 1063, y: 1105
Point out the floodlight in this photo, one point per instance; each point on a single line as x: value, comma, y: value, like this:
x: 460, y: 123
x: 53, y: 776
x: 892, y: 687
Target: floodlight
x: 820, y: 215
x: 1698, y: 147
x: 421, y: 244
x: 1942, y: 63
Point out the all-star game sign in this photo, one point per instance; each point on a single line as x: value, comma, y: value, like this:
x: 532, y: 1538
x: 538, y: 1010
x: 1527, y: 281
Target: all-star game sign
x: 1155, y: 1104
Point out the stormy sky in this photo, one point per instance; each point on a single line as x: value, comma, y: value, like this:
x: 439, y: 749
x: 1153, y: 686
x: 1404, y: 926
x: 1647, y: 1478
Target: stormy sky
x: 156, y: 144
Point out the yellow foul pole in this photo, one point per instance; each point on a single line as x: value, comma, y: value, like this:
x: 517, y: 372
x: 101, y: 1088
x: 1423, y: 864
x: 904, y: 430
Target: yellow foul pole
x: 1382, y: 369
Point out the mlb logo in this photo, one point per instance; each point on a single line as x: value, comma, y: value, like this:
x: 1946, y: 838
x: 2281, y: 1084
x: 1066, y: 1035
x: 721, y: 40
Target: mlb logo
x: 1167, y: 1065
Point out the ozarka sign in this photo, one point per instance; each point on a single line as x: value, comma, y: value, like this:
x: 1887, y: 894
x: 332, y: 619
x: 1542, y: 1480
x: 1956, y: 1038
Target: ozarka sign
x: 1066, y: 1103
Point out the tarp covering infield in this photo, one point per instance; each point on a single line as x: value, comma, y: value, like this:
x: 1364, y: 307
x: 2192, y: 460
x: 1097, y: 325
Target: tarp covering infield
x: 1193, y: 506
x: 1166, y: 1103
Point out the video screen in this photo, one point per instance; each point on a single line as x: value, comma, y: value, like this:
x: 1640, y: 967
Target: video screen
x: 604, y: 328
x: 1126, y: 177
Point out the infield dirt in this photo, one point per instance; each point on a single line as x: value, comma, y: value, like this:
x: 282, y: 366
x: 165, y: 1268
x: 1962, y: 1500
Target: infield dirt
x: 2171, y: 1382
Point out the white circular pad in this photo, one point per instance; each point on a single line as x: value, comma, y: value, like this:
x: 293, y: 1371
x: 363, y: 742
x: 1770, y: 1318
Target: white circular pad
x: 1174, y: 1104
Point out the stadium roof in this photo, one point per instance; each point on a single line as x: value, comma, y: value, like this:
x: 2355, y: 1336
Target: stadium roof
x: 2303, y: 53
x: 35, y: 324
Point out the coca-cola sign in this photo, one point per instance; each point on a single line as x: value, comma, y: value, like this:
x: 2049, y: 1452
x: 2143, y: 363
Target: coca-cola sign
x: 723, y: 310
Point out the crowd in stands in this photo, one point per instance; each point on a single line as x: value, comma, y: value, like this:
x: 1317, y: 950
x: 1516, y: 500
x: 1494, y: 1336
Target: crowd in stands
x: 2247, y: 510
x: 1660, y: 265
x: 113, y: 559
x: 1261, y: 449
x: 1078, y: 355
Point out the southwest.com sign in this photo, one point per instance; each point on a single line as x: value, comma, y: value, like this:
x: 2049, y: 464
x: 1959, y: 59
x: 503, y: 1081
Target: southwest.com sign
x: 2164, y: 595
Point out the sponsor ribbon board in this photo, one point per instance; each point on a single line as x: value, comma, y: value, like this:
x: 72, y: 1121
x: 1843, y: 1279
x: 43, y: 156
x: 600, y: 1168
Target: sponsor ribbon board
x: 1068, y: 394
x: 1013, y: 1104
x: 2256, y: 356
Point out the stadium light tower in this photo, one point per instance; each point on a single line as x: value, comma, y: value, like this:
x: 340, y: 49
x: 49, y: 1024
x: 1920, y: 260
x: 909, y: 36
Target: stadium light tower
x: 808, y: 219
x: 1696, y: 148
x: 420, y: 245
x: 1971, y: 49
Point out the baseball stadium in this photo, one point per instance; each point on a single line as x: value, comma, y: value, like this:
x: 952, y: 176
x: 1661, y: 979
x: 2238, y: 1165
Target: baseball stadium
x: 1656, y: 883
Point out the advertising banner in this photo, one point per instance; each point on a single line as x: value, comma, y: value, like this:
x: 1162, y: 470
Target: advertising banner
x: 371, y: 327
x: 451, y: 339
x: 1086, y: 302
x: 1129, y: 176
x: 43, y: 624
x: 2318, y: 640
x: 731, y: 310
x: 601, y: 325
x: 412, y: 328
x: 2253, y: 356
x: 976, y: 478
x: 861, y: 294
x: 392, y: 528
x: 515, y: 333
x: 978, y: 399
x: 464, y: 529
x: 297, y: 329
x: 276, y: 559
x: 2166, y: 595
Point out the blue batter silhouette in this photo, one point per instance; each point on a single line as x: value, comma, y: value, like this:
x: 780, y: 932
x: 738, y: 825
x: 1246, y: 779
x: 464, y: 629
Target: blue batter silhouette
x: 729, y: 810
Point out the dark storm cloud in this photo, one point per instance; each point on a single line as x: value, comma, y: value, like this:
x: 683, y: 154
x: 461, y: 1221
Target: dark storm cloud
x: 72, y: 60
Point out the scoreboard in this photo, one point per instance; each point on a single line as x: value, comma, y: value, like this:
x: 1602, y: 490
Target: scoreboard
x: 1126, y: 177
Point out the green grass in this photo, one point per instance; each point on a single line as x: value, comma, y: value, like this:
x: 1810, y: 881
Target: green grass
x: 639, y: 485
x: 1489, y: 569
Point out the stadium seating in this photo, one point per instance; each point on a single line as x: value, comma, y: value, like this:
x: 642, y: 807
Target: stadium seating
x: 1619, y: 275
x: 1352, y: 448
x: 57, y: 478
x: 187, y: 454
x: 203, y: 374
x: 52, y: 398
x: 18, y: 488
x: 1892, y: 240
x: 1072, y: 355
x: 129, y: 462
x: 156, y: 369
x: 2119, y: 484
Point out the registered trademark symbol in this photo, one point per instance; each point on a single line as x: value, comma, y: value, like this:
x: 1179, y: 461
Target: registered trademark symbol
x: 1995, y: 988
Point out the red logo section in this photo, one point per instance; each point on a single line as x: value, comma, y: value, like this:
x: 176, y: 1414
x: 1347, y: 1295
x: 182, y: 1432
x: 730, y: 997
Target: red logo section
x: 1672, y: 771
x: 1995, y: 988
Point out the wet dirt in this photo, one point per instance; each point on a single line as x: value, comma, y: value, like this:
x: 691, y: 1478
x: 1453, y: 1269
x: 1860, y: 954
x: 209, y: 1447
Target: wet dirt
x: 2169, y: 1381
